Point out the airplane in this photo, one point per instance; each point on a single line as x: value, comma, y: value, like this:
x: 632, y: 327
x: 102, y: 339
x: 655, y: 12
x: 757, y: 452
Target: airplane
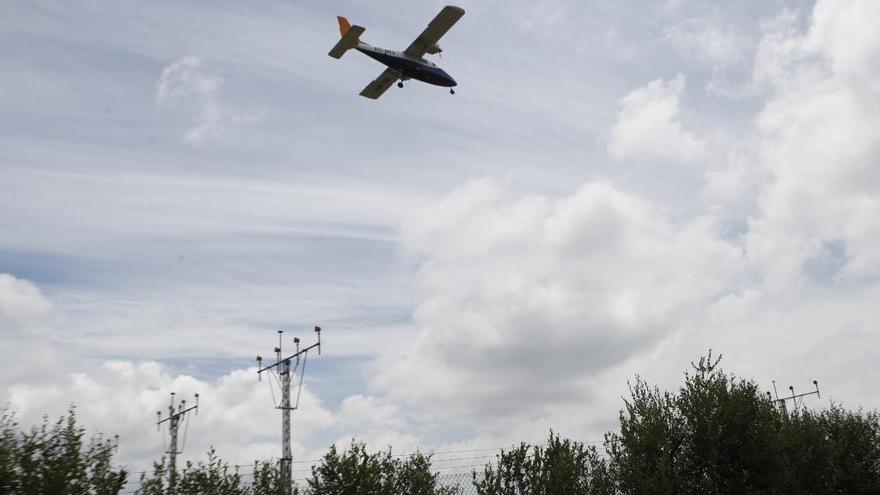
x: 405, y: 65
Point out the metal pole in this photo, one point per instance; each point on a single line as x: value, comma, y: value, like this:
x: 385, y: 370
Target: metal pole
x: 173, y: 419
x: 172, y: 451
x: 286, y: 457
x: 282, y: 366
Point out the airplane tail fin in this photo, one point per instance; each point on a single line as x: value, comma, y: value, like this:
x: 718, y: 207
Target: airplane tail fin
x: 350, y: 37
x: 344, y: 25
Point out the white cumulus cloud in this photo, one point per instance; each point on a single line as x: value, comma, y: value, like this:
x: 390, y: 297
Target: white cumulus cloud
x: 236, y: 413
x: 535, y: 296
x: 648, y: 125
x: 820, y: 142
x: 21, y: 303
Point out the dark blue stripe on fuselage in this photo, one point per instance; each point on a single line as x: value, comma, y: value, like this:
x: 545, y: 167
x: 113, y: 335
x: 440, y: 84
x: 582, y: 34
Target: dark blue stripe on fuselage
x: 413, y: 69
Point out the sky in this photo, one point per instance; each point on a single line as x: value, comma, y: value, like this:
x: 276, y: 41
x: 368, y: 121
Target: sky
x: 615, y: 188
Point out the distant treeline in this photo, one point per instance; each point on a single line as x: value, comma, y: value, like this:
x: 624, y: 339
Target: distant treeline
x: 716, y: 434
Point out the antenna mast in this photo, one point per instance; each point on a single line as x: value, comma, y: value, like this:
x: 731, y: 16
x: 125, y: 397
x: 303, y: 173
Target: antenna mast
x: 796, y: 400
x: 284, y: 373
x: 175, y: 416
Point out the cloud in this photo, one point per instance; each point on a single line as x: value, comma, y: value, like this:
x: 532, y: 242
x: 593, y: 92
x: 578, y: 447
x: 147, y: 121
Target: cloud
x: 122, y: 397
x: 820, y: 142
x: 532, y: 297
x: 705, y: 42
x: 531, y: 304
x: 648, y: 125
x: 188, y: 83
x: 723, y: 49
x: 532, y: 308
x: 845, y: 36
x: 22, y: 304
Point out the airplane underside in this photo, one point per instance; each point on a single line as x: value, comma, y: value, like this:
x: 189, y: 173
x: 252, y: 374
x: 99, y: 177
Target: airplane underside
x: 411, y: 69
x: 401, y: 65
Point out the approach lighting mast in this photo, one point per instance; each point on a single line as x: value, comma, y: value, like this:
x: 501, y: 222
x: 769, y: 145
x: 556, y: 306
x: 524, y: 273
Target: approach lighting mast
x: 797, y: 401
x: 283, y: 370
x: 175, y: 416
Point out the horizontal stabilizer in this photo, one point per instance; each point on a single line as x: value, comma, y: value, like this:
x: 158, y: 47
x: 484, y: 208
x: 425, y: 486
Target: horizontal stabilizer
x: 348, y: 41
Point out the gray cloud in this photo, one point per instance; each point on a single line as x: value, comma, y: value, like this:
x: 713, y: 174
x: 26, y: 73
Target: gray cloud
x: 536, y: 295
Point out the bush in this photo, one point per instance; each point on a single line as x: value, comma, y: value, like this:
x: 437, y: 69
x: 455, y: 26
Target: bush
x: 356, y: 472
x: 563, y: 466
x: 214, y: 477
x: 53, y: 458
x: 719, y: 434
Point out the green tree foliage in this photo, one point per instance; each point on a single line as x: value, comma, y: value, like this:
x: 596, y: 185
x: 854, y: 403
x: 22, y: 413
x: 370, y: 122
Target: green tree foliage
x: 831, y: 451
x: 351, y: 472
x: 214, y: 477
x: 53, y: 458
x: 357, y: 472
x: 8, y: 452
x: 267, y: 480
x: 719, y: 434
x: 562, y: 466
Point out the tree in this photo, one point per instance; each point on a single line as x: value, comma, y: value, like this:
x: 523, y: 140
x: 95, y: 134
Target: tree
x: 214, y: 477
x: 268, y: 480
x: 562, y: 466
x: 357, y: 472
x: 156, y: 483
x: 716, y: 435
x: 719, y: 434
x: 8, y: 452
x: 831, y: 451
x: 53, y: 458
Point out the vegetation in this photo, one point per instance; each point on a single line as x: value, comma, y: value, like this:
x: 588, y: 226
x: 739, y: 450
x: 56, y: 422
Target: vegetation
x: 214, y: 477
x: 53, y: 458
x: 716, y: 434
x: 356, y: 472
x: 562, y: 466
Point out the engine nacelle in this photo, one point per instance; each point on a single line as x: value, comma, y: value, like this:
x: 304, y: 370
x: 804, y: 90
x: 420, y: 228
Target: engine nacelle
x: 434, y: 49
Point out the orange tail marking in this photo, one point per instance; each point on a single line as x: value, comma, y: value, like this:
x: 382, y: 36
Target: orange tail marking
x: 344, y: 26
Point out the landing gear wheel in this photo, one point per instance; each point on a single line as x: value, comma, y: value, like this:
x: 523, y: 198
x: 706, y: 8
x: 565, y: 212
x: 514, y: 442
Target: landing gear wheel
x: 452, y: 91
x: 399, y: 84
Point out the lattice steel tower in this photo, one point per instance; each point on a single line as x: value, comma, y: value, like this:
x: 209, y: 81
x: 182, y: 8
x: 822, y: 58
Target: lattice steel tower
x: 175, y: 416
x: 283, y: 369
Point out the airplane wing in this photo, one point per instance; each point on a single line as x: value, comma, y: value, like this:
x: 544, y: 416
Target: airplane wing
x: 379, y: 85
x: 435, y: 30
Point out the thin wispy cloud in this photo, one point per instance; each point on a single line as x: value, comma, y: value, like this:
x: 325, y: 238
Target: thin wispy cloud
x: 188, y: 86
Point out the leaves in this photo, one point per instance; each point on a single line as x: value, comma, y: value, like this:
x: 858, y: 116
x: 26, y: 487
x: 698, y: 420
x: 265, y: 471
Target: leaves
x: 562, y: 466
x: 53, y: 458
x: 719, y: 434
x: 357, y: 472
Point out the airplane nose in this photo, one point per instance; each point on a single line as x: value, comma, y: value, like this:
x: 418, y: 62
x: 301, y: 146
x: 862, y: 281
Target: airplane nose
x: 449, y: 80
